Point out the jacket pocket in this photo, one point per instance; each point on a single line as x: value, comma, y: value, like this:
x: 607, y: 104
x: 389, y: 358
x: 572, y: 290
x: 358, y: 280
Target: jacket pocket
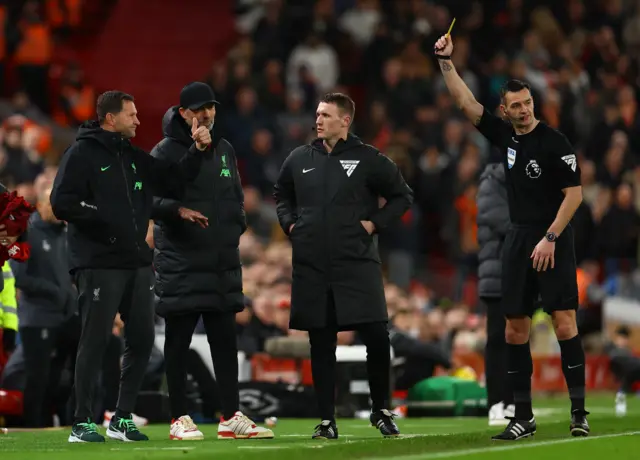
x: 363, y: 231
x: 299, y: 226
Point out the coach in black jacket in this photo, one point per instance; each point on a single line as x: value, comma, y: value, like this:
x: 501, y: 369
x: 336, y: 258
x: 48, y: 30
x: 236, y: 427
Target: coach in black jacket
x: 104, y: 189
x: 493, y: 225
x: 197, y: 262
x: 328, y: 203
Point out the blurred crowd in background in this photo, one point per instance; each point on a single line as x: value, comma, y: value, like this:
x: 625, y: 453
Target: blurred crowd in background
x: 581, y: 57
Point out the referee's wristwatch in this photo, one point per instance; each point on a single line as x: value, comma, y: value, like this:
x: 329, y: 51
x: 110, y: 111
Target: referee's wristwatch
x: 551, y: 237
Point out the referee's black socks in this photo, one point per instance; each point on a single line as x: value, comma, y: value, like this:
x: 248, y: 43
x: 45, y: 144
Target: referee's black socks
x: 519, y: 370
x: 573, y: 368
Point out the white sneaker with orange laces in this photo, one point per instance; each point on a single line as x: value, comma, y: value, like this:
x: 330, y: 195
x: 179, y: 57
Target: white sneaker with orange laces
x: 242, y: 427
x: 183, y: 429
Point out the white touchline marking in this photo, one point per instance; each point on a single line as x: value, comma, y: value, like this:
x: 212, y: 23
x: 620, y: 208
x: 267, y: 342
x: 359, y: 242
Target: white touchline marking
x: 519, y: 445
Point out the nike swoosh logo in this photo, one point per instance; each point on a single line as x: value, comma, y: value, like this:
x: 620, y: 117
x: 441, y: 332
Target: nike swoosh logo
x: 151, y: 288
x: 105, y: 168
x: 514, y: 140
x: 573, y: 367
x: 305, y: 171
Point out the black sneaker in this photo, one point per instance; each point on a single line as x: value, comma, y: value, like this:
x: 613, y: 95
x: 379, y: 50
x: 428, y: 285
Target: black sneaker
x: 517, y: 429
x: 326, y: 430
x: 123, y: 429
x: 85, y: 432
x: 383, y: 420
x: 579, y: 425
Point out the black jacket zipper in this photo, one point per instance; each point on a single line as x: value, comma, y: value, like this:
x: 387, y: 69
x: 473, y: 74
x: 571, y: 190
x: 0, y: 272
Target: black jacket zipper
x: 216, y: 178
x: 324, y: 216
x: 126, y: 187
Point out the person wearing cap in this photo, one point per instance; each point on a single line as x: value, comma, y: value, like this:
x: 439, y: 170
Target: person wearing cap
x: 197, y: 263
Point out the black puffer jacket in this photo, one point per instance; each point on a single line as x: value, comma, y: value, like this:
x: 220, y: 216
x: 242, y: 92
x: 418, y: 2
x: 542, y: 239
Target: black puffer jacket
x: 493, y: 224
x: 198, y: 269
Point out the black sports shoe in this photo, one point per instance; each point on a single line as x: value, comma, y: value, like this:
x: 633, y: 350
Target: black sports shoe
x: 383, y: 420
x: 326, y: 430
x: 579, y: 425
x: 85, y: 432
x: 517, y: 429
x: 123, y: 429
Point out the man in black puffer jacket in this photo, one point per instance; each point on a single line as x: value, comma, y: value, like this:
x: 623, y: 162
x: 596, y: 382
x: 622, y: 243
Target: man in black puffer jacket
x: 197, y: 262
x: 493, y: 224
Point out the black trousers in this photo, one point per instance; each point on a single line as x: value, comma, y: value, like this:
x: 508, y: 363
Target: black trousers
x: 375, y: 336
x: 110, y: 378
x: 208, y: 391
x: 221, y: 335
x: 495, y: 354
x: 102, y: 294
x: 46, y: 353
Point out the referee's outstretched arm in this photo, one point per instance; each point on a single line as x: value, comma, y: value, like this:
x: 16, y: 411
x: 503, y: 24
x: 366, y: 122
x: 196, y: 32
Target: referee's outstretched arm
x: 463, y: 96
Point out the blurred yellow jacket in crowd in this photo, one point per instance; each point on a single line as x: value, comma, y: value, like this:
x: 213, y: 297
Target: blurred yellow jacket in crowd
x: 8, y: 301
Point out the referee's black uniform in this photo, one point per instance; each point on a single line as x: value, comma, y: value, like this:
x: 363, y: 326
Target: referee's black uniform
x: 539, y: 165
x: 104, y: 189
x: 543, y: 191
x: 337, y: 276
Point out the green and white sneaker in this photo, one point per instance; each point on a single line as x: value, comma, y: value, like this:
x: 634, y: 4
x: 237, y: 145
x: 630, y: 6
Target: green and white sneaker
x: 124, y: 429
x: 85, y: 432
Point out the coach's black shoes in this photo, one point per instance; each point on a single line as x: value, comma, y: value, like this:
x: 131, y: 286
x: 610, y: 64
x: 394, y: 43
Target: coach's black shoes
x: 123, y: 429
x: 516, y: 430
x: 579, y: 425
x: 85, y: 432
x: 383, y: 420
x: 326, y: 430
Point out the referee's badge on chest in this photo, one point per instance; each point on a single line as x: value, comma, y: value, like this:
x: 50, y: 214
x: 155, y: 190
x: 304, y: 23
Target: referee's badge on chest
x: 511, y: 157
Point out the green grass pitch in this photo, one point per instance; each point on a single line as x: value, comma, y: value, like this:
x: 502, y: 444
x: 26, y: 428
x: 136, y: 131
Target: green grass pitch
x: 425, y: 438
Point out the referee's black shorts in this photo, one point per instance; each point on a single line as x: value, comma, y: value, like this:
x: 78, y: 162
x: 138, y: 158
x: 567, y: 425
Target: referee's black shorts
x: 521, y: 283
